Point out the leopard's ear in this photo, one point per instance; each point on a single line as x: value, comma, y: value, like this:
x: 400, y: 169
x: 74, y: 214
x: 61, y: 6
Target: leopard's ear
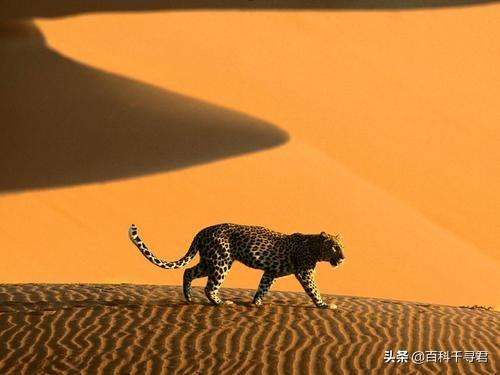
x: 324, y: 234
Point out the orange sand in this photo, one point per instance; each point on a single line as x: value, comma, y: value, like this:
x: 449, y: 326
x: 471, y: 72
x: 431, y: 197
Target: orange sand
x: 146, y: 329
x: 385, y: 126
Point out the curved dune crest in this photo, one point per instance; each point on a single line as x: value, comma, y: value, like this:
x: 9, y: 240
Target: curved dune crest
x: 139, y: 328
x: 64, y: 123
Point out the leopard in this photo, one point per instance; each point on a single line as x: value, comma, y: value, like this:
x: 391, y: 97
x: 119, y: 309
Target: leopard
x: 277, y: 254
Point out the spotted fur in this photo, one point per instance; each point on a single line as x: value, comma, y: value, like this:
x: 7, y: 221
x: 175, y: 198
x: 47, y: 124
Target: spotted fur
x: 277, y: 254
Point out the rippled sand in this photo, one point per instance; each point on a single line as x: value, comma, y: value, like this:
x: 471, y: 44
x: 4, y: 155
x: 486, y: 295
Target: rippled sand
x: 137, y: 329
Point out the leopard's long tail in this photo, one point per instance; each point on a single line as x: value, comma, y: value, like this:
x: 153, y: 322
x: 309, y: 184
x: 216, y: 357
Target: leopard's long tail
x: 134, y: 237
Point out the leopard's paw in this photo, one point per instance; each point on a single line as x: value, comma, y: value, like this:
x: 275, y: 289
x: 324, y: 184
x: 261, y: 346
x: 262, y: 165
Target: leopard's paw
x: 330, y: 306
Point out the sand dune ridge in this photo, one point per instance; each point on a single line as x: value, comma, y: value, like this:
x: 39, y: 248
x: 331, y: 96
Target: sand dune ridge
x: 124, y: 329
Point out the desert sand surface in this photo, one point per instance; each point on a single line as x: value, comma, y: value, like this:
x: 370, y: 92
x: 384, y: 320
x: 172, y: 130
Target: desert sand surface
x: 378, y: 121
x: 132, y: 329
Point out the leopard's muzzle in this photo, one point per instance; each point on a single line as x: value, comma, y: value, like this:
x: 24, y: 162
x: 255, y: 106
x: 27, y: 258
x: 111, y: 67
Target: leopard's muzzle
x: 338, y: 257
x: 336, y: 261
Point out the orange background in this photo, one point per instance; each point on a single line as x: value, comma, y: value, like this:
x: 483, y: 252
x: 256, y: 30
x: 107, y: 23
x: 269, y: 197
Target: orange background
x: 381, y: 125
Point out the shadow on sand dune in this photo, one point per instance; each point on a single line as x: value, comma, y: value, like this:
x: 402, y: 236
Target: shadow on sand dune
x: 65, y: 123
x: 57, y: 8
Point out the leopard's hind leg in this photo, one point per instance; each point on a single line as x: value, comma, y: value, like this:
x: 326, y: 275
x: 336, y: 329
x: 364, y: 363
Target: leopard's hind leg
x: 217, y: 272
x: 200, y: 270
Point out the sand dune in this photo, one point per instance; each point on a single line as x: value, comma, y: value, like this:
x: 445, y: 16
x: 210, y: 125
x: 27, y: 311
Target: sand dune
x: 385, y: 123
x: 129, y: 329
x: 80, y: 125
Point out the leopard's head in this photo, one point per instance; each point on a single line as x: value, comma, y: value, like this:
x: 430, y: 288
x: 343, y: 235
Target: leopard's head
x: 332, y: 249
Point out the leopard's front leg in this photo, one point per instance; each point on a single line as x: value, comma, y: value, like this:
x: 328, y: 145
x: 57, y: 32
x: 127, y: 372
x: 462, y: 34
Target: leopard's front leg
x: 308, y: 282
x: 264, y: 286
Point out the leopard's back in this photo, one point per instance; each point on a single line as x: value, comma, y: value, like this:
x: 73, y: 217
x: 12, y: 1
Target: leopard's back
x: 255, y: 246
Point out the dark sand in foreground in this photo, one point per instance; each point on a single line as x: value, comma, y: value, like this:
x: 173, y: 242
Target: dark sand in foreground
x: 143, y: 329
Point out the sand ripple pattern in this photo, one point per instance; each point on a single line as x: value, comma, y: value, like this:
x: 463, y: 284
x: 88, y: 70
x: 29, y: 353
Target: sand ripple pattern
x: 146, y: 329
